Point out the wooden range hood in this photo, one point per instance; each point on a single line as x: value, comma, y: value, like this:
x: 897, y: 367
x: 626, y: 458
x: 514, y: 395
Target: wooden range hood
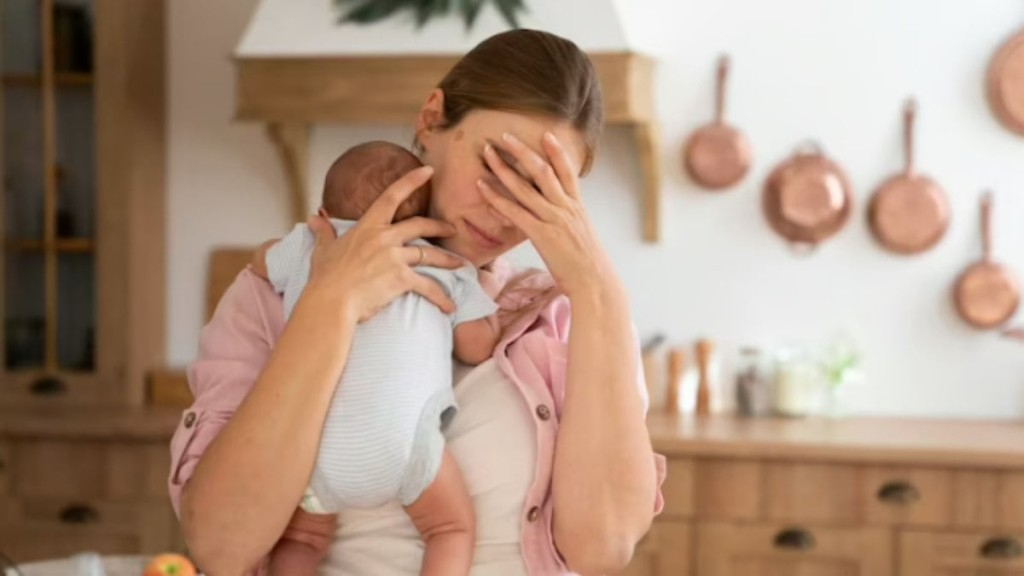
x: 291, y: 93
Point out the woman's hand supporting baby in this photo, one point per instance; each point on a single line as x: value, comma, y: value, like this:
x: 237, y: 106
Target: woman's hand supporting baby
x: 244, y: 489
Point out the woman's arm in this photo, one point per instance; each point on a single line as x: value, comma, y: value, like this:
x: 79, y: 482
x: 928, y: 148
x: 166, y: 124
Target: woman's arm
x: 604, y: 477
x: 604, y: 483
x: 248, y: 482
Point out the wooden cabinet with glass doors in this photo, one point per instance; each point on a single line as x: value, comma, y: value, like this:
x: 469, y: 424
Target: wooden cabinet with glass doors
x: 82, y: 210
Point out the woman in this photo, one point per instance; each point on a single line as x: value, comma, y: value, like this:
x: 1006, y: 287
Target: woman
x: 504, y: 138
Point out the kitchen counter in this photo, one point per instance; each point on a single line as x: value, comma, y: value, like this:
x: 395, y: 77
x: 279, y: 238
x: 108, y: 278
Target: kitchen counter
x: 986, y: 444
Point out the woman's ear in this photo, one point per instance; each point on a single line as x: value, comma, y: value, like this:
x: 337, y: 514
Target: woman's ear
x: 431, y: 115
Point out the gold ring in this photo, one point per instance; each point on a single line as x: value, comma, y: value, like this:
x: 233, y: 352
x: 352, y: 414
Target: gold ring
x: 420, y: 261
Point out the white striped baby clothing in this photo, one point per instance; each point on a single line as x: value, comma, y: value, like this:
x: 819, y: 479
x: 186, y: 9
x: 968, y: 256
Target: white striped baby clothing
x: 383, y: 437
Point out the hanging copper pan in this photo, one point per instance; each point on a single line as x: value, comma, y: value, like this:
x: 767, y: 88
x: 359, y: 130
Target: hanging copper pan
x: 986, y: 294
x: 807, y: 198
x: 1005, y: 83
x: 909, y: 212
x: 717, y: 155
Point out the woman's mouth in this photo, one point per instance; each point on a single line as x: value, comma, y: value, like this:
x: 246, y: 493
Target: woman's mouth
x: 482, y: 238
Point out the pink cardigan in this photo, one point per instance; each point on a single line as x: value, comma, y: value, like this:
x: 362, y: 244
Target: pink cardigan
x: 237, y: 341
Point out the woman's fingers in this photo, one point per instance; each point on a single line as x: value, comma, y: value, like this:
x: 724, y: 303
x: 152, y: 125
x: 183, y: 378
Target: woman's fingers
x: 432, y: 291
x: 539, y: 169
x: 419, y: 227
x: 419, y: 255
x: 523, y: 192
x: 522, y: 218
x: 563, y: 165
x: 382, y: 211
x: 321, y: 228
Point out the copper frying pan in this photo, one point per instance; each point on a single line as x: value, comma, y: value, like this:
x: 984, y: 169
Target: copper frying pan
x: 807, y: 198
x: 717, y: 155
x: 986, y: 294
x: 909, y: 212
x: 1005, y: 83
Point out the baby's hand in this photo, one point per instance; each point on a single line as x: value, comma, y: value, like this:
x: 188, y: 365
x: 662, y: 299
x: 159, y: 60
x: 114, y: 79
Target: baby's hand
x: 259, y: 259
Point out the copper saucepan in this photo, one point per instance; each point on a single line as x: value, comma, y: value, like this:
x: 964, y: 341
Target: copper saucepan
x: 986, y: 294
x: 1005, y: 83
x: 909, y: 212
x: 717, y: 155
x: 807, y: 198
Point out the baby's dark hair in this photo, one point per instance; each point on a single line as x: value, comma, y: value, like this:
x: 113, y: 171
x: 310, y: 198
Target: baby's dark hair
x: 358, y: 177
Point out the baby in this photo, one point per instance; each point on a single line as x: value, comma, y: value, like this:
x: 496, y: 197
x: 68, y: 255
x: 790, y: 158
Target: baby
x: 383, y: 437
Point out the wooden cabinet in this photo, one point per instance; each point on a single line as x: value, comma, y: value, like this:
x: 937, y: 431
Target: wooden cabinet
x: 961, y: 554
x: 88, y: 479
x: 666, y: 549
x: 838, y: 497
x: 82, y: 211
x: 768, y: 549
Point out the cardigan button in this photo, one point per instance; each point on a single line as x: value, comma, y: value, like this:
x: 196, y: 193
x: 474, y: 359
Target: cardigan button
x: 533, y: 514
x: 190, y: 419
x: 543, y: 412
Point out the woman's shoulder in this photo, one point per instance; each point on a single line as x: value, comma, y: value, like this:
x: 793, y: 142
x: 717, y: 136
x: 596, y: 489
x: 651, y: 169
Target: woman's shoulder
x: 243, y: 328
x: 249, y: 295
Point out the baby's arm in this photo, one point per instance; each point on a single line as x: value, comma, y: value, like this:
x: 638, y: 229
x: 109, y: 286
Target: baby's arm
x: 475, y: 340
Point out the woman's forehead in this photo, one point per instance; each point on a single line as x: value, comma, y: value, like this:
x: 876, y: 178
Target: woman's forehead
x: 488, y: 125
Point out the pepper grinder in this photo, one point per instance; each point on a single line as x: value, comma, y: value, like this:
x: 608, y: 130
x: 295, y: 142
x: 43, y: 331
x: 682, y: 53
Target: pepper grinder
x: 704, y: 351
x: 676, y: 367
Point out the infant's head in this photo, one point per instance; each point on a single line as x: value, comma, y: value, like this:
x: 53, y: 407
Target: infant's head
x: 358, y: 177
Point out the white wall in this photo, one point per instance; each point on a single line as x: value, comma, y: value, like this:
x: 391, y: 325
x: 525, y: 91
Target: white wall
x: 835, y: 71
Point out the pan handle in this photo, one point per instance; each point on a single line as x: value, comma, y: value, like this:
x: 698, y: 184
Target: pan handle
x: 909, y: 113
x: 986, y: 224
x: 722, y: 78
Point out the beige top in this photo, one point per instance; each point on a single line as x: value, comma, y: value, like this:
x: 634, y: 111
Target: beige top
x: 492, y: 439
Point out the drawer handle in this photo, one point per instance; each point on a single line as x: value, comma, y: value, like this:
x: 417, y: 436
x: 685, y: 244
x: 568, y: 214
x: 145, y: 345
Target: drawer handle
x: 1001, y: 549
x: 899, y: 492
x: 795, y: 539
x: 79, y: 514
x: 48, y: 386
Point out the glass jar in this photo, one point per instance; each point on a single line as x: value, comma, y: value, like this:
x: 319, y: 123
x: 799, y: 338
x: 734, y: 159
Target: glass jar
x: 753, y: 383
x: 798, y: 383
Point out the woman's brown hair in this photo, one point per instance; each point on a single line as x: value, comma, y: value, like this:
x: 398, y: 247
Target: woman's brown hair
x: 532, y: 72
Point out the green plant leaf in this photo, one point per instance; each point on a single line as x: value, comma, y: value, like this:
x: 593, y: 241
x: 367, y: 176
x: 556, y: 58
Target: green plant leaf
x: 508, y: 8
x: 470, y: 10
x: 373, y: 11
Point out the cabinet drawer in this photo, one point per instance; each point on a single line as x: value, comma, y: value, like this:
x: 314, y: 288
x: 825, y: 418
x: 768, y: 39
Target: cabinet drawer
x: 664, y: 551
x: 797, y: 491
x: 42, y: 524
x: 809, y: 492
x: 947, y: 498
x: 90, y: 470
x: 898, y: 496
x: 776, y: 548
x: 955, y: 554
x: 678, y: 489
x: 988, y: 499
